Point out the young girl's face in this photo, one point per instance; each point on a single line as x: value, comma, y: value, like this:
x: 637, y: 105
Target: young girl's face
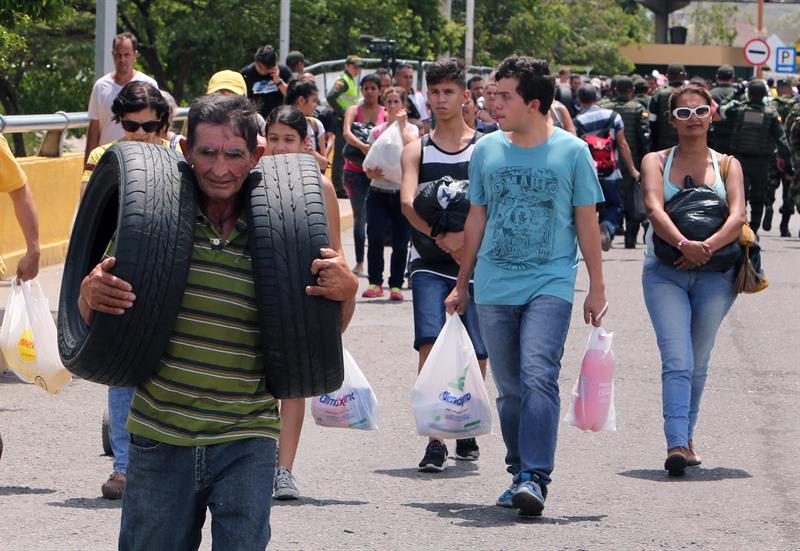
x: 283, y: 139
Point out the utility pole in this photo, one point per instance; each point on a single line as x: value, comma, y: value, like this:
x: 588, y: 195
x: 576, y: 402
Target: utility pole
x: 105, y: 29
x: 469, y: 41
x: 762, y: 32
x: 286, y: 14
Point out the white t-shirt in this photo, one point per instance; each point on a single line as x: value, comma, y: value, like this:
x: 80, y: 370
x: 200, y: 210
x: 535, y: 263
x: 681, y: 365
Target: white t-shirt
x: 104, y: 92
x: 316, y: 131
x: 421, y: 103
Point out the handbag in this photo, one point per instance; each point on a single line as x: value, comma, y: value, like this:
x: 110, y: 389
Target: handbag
x: 361, y: 131
x: 750, y: 277
x: 698, y: 212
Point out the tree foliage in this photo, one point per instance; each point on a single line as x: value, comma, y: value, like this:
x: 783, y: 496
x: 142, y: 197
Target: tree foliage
x: 711, y: 24
x: 47, y: 46
x: 585, y: 33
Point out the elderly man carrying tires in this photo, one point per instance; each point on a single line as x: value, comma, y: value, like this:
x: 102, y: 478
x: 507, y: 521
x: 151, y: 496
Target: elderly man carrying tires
x: 204, y: 426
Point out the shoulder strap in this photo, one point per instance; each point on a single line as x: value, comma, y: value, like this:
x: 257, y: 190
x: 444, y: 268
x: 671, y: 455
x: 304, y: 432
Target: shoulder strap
x: 726, y: 163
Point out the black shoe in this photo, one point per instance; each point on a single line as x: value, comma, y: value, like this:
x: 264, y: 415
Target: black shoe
x: 767, y: 223
x: 785, y: 231
x: 467, y: 449
x: 435, y: 456
x: 676, y: 462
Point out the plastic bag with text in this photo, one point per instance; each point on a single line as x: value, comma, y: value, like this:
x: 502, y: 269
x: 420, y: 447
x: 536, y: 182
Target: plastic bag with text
x: 385, y: 154
x: 592, y: 406
x: 354, y: 406
x: 449, y: 397
x: 28, y: 338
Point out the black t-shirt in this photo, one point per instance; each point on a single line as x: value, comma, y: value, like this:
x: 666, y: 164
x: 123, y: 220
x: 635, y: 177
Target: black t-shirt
x: 325, y: 116
x: 262, y: 91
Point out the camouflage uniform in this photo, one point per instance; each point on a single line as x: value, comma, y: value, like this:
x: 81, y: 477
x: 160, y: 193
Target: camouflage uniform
x: 637, y: 132
x: 719, y: 136
x: 783, y: 106
x: 757, y: 131
x: 662, y: 134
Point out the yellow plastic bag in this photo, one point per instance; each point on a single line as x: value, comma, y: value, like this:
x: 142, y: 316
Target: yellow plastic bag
x: 28, y: 338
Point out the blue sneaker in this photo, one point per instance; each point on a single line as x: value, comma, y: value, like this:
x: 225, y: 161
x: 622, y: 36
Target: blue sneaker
x: 528, y: 497
x: 505, y: 498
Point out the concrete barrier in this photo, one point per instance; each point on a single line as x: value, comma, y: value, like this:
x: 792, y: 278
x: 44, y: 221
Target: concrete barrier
x: 55, y: 184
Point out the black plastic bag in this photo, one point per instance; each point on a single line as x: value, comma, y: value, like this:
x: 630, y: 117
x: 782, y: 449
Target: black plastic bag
x: 698, y: 212
x: 361, y: 130
x: 444, y: 205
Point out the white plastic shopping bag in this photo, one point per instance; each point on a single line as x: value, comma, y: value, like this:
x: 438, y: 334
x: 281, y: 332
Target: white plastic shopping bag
x: 592, y: 406
x: 385, y: 153
x: 28, y: 338
x: 449, y: 397
x: 354, y: 406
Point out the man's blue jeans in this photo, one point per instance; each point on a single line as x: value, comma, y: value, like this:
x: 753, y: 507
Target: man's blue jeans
x: 119, y: 404
x: 611, y: 209
x: 525, y: 344
x: 168, y: 489
x: 686, y: 308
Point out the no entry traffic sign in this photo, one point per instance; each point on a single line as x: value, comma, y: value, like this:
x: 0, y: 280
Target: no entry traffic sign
x: 756, y: 52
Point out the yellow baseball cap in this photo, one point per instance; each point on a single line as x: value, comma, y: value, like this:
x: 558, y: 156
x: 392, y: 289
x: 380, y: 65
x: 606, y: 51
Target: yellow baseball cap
x: 227, y: 80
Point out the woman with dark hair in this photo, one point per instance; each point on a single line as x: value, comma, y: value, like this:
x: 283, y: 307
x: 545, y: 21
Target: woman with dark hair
x: 143, y: 113
x: 287, y: 133
x: 686, y: 302
x: 383, y: 206
x: 369, y: 114
x: 304, y: 95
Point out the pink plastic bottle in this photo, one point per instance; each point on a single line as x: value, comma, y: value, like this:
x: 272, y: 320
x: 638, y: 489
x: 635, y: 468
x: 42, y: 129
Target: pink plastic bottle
x: 595, y: 385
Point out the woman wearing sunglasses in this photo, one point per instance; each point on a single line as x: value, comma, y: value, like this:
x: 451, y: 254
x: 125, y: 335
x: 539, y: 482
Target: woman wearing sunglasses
x: 686, y: 303
x: 142, y: 112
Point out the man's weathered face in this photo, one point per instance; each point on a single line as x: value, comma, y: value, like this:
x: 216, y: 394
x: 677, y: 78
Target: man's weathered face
x: 405, y: 78
x: 220, y: 159
x: 124, y: 56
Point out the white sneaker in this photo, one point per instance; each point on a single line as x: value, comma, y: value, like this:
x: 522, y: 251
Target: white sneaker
x: 284, y: 486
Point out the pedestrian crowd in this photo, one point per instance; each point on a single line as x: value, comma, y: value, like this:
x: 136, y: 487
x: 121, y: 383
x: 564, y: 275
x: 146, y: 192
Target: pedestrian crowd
x: 557, y: 166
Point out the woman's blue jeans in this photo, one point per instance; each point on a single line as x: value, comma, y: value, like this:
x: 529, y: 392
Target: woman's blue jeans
x: 119, y: 404
x: 525, y: 345
x: 686, y: 308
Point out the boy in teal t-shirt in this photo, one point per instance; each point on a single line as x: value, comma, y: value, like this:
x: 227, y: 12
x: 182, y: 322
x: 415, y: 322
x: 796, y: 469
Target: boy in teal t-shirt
x: 533, y: 191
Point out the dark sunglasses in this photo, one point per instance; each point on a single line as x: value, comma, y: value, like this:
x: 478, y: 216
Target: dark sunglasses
x: 685, y: 113
x: 133, y: 126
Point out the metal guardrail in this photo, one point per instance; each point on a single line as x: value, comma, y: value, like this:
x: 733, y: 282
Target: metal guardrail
x: 55, y: 126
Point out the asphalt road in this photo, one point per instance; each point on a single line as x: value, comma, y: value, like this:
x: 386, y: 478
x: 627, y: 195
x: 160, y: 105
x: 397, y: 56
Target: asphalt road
x: 361, y: 490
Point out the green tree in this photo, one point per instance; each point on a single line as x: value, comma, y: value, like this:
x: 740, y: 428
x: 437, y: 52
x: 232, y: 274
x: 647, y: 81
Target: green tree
x: 711, y: 24
x: 585, y: 33
x: 45, y: 57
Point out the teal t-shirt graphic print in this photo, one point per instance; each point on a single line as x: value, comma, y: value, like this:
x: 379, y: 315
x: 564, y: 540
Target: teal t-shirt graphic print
x: 530, y: 245
x: 524, y: 235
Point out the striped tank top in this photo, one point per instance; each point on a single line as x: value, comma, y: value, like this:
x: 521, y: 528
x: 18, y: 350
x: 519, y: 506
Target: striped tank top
x: 436, y: 163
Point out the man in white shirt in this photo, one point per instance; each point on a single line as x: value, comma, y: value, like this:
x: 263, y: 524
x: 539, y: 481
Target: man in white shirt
x: 101, y: 128
x: 417, y: 103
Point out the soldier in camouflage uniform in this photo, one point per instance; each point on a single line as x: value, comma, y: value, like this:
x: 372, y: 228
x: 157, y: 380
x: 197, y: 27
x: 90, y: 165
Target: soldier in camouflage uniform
x: 757, y: 130
x: 722, y: 93
x: 783, y: 104
x: 606, y: 100
x: 792, y: 125
x: 637, y: 132
x: 640, y: 88
x: 662, y: 134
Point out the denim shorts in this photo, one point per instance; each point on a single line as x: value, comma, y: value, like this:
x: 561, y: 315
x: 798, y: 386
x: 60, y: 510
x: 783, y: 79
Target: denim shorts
x: 429, y: 291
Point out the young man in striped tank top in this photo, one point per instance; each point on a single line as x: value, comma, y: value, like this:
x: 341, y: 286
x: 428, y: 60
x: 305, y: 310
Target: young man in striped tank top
x: 204, y: 426
x: 434, y: 261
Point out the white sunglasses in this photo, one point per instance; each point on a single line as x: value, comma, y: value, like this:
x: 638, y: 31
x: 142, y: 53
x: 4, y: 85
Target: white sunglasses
x: 685, y: 113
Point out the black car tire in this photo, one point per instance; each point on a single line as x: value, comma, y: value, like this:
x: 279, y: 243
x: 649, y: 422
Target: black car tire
x: 145, y: 193
x: 288, y: 225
